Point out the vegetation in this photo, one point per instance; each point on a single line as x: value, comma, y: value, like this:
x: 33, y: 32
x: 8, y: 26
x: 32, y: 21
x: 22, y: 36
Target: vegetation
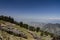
x: 37, y: 29
x: 26, y: 26
x: 31, y: 28
x: 21, y: 24
x: 10, y: 19
x: 6, y: 18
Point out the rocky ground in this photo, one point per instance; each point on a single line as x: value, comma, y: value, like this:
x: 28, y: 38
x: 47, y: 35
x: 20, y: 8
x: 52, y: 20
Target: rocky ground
x: 9, y: 31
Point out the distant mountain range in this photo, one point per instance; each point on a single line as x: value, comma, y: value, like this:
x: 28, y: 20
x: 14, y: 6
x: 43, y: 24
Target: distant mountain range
x: 50, y: 27
x: 53, y: 28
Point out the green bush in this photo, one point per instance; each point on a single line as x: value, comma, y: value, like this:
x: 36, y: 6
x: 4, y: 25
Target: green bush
x: 31, y: 28
x: 37, y: 29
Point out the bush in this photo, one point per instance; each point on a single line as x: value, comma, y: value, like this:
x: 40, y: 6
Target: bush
x: 37, y: 29
x: 31, y: 28
x: 21, y: 24
x: 25, y: 26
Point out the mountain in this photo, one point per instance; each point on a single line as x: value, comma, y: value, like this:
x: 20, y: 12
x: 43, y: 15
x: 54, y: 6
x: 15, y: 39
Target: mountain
x: 10, y: 31
x: 50, y: 27
x: 53, y: 28
x: 37, y: 24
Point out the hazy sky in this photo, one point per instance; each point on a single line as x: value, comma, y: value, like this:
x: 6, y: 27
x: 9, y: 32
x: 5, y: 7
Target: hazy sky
x: 31, y: 10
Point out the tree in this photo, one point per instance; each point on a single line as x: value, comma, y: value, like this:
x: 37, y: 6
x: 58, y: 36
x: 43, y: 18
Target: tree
x: 31, y: 28
x: 7, y: 18
x: 21, y: 24
x: 11, y: 19
x: 1, y: 17
x: 37, y: 29
x: 25, y: 26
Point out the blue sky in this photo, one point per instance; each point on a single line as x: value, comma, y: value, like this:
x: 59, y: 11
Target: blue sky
x: 31, y: 10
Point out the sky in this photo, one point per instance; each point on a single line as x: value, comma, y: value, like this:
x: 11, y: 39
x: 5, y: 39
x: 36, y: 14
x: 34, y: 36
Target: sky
x: 31, y: 10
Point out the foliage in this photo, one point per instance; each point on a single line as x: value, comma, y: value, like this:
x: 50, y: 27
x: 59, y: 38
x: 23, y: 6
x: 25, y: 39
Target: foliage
x: 25, y: 26
x: 37, y: 29
x: 7, y: 18
x: 21, y: 24
x: 31, y: 28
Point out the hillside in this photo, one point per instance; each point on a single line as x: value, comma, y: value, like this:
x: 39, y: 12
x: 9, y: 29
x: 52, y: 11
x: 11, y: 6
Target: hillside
x: 29, y: 34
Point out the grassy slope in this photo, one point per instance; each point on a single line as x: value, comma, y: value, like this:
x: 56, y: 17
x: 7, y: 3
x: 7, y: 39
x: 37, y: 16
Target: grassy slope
x: 7, y: 36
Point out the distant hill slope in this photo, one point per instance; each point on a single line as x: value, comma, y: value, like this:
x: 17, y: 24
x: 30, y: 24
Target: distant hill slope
x: 53, y: 28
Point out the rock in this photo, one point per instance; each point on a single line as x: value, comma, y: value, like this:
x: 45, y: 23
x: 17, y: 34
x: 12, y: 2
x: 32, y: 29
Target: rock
x: 0, y: 38
x: 13, y: 31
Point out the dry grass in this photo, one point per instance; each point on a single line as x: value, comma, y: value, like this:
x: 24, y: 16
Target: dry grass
x: 7, y: 36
